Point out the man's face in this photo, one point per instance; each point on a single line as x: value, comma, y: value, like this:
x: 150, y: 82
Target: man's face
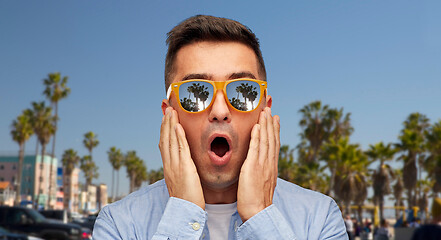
x: 218, y: 137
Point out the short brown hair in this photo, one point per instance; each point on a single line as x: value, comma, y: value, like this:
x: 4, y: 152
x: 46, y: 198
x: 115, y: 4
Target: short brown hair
x: 208, y: 28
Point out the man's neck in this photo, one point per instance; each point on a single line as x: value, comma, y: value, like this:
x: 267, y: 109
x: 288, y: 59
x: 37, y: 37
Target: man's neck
x: 220, y: 196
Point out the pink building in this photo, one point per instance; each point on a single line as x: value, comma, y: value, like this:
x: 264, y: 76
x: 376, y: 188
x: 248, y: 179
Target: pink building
x: 71, y: 191
x: 35, y: 176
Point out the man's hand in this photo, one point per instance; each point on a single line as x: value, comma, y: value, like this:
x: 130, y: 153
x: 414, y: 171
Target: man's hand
x: 180, y: 172
x: 258, y: 175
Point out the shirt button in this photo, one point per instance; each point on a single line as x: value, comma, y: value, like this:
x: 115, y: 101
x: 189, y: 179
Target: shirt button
x: 196, y: 226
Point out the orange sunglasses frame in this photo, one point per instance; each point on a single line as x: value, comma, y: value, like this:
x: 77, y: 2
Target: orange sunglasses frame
x: 217, y: 85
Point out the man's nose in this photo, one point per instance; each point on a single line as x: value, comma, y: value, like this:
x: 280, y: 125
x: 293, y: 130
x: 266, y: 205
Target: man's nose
x: 219, y: 109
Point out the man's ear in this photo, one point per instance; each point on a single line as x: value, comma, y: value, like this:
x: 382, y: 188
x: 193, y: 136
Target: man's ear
x: 165, y: 104
x: 269, y: 101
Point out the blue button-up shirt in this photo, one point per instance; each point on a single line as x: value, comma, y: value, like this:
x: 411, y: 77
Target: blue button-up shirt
x: 150, y: 213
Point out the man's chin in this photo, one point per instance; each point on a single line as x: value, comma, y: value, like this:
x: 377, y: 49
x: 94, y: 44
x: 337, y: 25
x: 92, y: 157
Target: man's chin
x: 219, y: 181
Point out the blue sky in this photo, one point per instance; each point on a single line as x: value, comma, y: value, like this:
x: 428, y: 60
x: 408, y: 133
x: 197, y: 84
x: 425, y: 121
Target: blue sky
x: 379, y: 60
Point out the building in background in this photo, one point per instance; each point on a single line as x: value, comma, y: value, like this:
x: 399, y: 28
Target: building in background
x: 91, y: 206
x: 33, y: 185
x: 88, y: 200
x: 71, y: 190
x: 7, y: 194
x: 59, y: 204
x: 94, y: 199
x: 102, y: 196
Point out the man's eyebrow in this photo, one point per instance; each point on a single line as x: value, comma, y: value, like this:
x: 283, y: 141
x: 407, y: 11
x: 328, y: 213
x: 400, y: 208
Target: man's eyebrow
x: 242, y: 75
x: 196, y: 76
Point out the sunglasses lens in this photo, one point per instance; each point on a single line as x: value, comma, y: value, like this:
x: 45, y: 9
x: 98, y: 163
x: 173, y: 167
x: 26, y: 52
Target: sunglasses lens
x: 195, y: 96
x: 243, y: 95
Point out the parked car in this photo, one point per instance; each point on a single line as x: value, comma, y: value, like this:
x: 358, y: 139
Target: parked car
x: 60, y: 215
x: 6, y: 235
x: 29, y: 221
x: 74, y: 216
x: 87, y: 222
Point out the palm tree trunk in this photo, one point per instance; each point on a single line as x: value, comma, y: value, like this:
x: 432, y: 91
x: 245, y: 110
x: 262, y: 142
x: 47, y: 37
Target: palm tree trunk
x: 381, y: 203
x: 331, y: 183
x: 113, y: 185
x: 88, y: 182
x: 35, y: 182
x: 20, y: 170
x: 397, y: 211
x: 40, y: 179
x: 117, y: 183
x: 52, y: 157
x: 87, y: 194
x: 132, y: 182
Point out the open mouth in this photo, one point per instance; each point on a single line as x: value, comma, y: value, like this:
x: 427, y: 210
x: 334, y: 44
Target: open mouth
x: 220, y: 146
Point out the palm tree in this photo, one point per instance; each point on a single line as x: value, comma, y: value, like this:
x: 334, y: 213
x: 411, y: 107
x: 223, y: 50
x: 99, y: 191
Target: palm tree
x: 69, y: 160
x: 383, y: 175
x: 90, y: 171
x: 433, y: 162
x: 88, y: 166
x: 398, y: 189
x: 314, y: 133
x: 90, y: 141
x: 336, y: 125
x: 55, y: 90
x: 155, y: 175
x: 21, y: 132
x: 412, y: 145
x: 339, y: 124
x: 116, y: 159
x: 286, y: 163
x: 352, y: 172
x: 423, y: 200
x: 43, y: 124
x: 135, y: 170
x: 141, y: 175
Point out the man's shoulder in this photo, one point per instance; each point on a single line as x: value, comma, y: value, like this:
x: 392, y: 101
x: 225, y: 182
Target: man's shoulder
x: 146, y: 198
x: 289, y: 190
x: 309, y: 213
x: 122, y: 217
x: 288, y: 194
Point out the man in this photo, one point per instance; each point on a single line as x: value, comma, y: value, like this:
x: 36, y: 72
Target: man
x: 219, y: 146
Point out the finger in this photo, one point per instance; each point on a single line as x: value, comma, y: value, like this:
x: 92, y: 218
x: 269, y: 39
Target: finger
x: 184, y: 149
x: 271, y: 137
x: 174, y: 147
x: 253, y: 150
x: 164, y: 139
x: 263, y: 148
x: 276, y: 123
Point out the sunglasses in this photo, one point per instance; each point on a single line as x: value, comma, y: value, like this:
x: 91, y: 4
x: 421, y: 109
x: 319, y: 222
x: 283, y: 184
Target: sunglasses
x: 197, y: 95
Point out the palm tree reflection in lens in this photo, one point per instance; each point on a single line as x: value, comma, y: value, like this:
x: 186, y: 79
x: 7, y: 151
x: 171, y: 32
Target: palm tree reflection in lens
x: 200, y: 94
x: 248, y: 92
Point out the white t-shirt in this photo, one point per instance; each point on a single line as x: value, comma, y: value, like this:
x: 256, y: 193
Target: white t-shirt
x: 219, y: 217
